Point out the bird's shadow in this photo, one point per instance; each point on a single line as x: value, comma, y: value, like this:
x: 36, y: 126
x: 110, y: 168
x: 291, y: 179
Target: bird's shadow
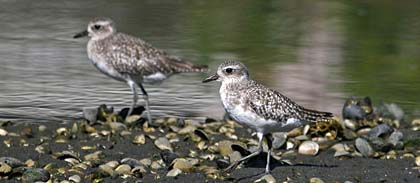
x: 259, y: 161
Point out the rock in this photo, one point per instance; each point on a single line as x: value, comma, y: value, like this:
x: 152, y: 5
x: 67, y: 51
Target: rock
x: 5, y: 168
x: 234, y: 156
x: 222, y: 163
x: 225, y: 147
x: 112, y: 164
x: 364, y: 147
x: 12, y: 162
x: 131, y: 162
x: 202, y: 134
x: 106, y: 170
x: 42, y: 128
x: 353, y: 109
x: 146, y: 161
x: 139, y: 139
x: 395, y: 138
x: 187, y: 130
x: 123, y: 169
x: 90, y: 114
x: 182, y: 164
x: 75, y: 178
x: 316, y: 180
x: 155, y: 165
x: 94, y: 156
x: 168, y: 156
x: 163, y: 143
x: 279, y: 139
x: 174, y: 172
x: 3, y: 132
x: 116, y: 126
x: 268, y: 178
x: 34, y: 175
x: 382, y: 130
x: 417, y: 161
x: 308, y: 148
x: 341, y: 153
x: 349, y: 134
x: 62, y: 131
x: 136, y: 111
x: 379, y: 144
x: 30, y: 163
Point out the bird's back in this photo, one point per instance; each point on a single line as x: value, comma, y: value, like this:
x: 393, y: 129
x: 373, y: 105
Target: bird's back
x: 136, y: 58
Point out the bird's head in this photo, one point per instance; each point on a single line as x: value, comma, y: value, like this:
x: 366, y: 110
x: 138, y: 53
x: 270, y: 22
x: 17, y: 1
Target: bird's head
x: 230, y: 71
x: 98, y: 28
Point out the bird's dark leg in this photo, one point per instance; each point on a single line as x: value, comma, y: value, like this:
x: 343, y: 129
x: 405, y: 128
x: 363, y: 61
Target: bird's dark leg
x: 135, y: 97
x: 236, y: 163
x: 146, y: 99
x: 268, y: 137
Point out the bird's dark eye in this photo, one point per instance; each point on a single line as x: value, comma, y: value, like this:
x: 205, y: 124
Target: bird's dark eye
x: 97, y: 27
x: 229, y: 70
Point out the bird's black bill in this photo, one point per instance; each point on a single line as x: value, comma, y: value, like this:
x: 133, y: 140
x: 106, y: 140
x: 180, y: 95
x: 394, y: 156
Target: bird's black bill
x: 81, y: 34
x: 211, y: 78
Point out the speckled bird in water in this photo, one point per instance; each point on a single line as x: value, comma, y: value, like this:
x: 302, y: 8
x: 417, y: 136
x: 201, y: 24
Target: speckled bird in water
x: 258, y: 107
x: 130, y: 59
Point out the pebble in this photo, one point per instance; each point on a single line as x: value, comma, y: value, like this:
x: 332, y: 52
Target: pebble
x: 13, y: 162
x: 139, y: 139
x: 174, y: 172
x: 5, y: 168
x: 42, y: 128
x: 163, y: 143
x: 182, y: 164
x: 106, y: 170
x: 131, y: 162
x: 116, y: 126
x: 123, y: 169
x: 75, y: 178
x: 90, y: 114
x: 187, y: 130
x: 3, y: 132
x: 308, y: 148
x: 364, y: 147
x: 93, y: 156
x: 395, y: 138
x: 35, y: 175
x: 383, y: 129
x: 146, y: 161
x: 316, y: 180
x: 267, y: 179
x: 155, y: 165
x: 417, y: 161
x: 279, y: 138
x: 112, y: 164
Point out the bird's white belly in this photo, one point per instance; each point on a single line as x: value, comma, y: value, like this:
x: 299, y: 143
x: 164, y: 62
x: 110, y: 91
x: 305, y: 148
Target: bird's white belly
x: 108, y: 70
x: 155, y: 78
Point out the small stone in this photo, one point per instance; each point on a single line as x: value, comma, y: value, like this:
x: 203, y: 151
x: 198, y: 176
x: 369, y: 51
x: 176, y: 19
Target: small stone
x: 417, y: 161
x: 383, y: 129
x: 168, y: 156
x: 90, y: 114
x: 139, y: 139
x: 123, y: 169
x: 182, y: 164
x: 395, y: 137
x: 116, y: 126
x: 187, y: 130
x: 279, y: 138
x: 13, y: 162
x: 30, y: 163
x: 174, y: 172
x: 42, y: 128
x: 146, y: 161
x: 75, y: 178
x: 93, y: 156
x: 74, y: 128
x: 308, y: 148
x: 5, y: 168
x: 106, y: 170
x: 155, y: 165
x: 364, y: 147
x: 3, y: 132
x: 235, y: 156
x: 62, y: 131
x: 316, y: 180
x: 266, y: 179
x: 27, y: 132
x: 131, y: 162
x: 163, y: 143
x: 112, y: 164
x: 35, y: 175
x: 341, y: 153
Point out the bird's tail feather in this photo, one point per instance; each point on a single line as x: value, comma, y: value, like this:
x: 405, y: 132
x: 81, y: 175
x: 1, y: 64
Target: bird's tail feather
x: 316, y: 116
x: 184, y: 66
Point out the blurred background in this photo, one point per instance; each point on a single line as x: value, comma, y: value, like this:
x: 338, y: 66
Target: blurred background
x: 316, y: 52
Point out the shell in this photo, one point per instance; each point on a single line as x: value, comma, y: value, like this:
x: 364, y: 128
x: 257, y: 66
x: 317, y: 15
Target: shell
x: 308, y: 148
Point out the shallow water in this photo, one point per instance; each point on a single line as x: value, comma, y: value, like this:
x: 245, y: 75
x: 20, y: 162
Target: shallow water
x: 317, y: 53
